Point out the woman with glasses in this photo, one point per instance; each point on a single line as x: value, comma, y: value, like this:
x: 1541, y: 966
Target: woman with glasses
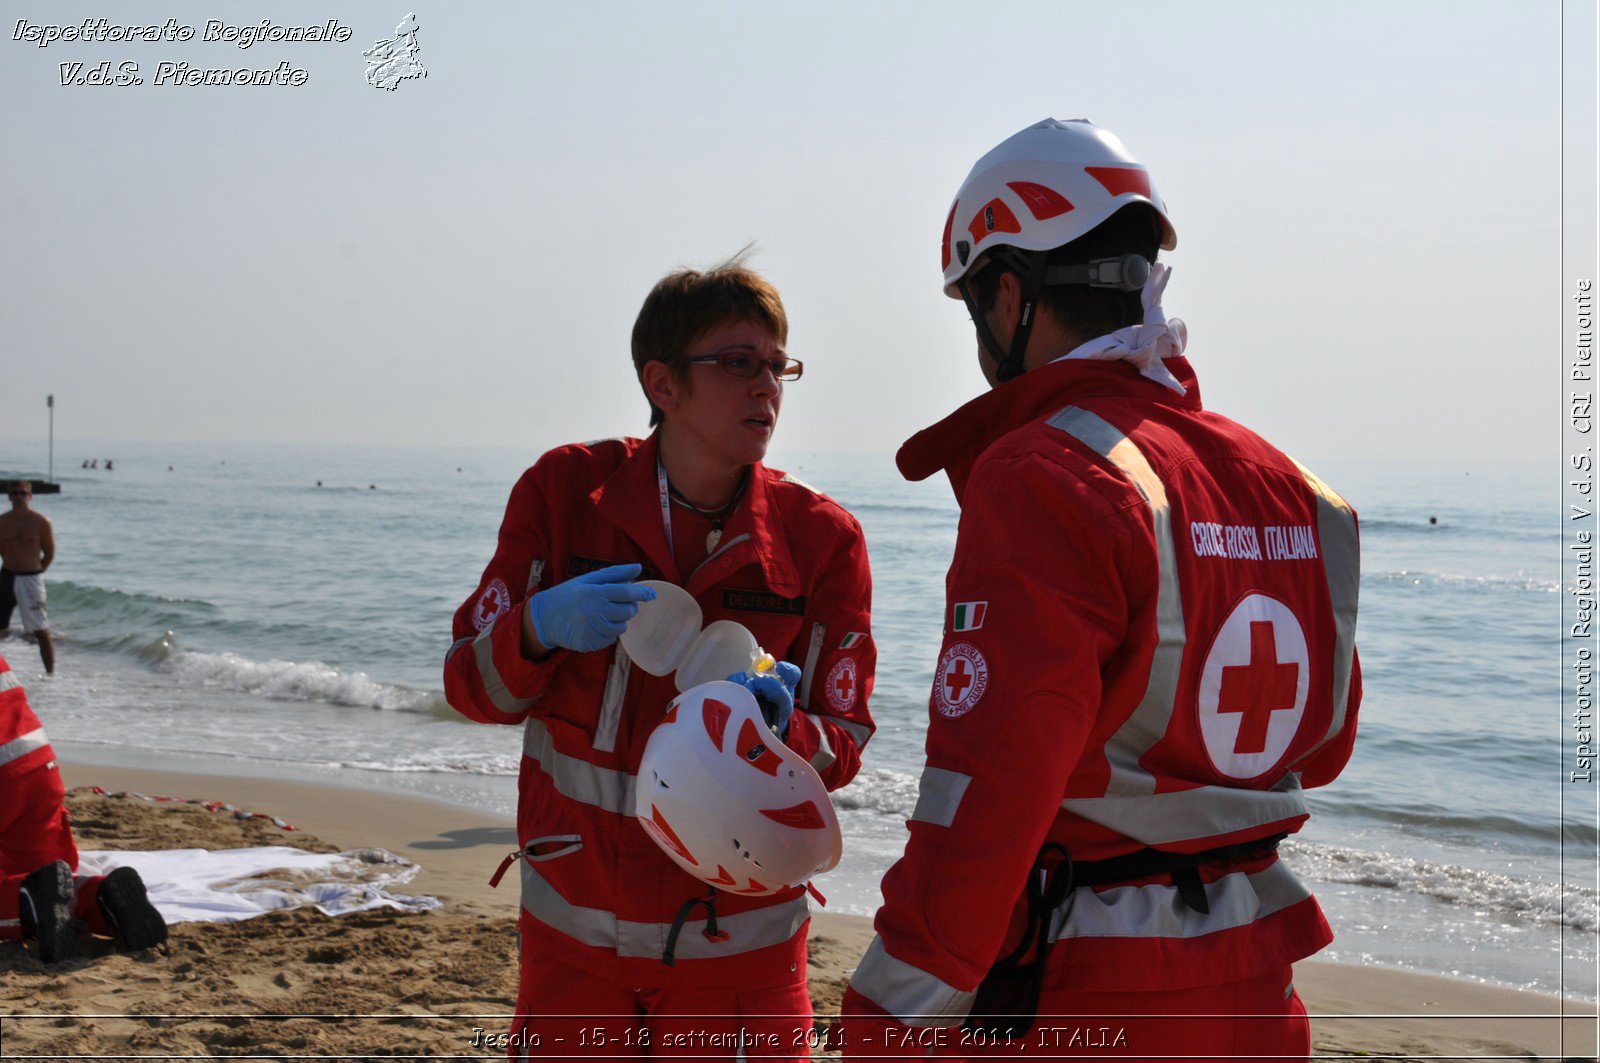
x: 615, y: 959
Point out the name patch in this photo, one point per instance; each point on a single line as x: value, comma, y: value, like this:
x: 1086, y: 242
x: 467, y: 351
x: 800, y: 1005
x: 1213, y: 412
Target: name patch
x: 763, y: 602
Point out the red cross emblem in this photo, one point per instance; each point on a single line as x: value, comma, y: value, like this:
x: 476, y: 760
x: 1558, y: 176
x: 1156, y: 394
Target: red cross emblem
x: 495, y: 600
x: 841, y: 684
x: 1251, y: 699
x: 1258, y: 689
x: 957, y: 680
x: 962, y: 679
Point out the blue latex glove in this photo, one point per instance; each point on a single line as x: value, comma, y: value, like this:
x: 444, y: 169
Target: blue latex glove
x: 774, y: 693
x: 590, y: 611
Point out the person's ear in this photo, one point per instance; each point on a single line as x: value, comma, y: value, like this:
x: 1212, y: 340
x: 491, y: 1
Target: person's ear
x: 1008, y: 301
x: 662, y: 388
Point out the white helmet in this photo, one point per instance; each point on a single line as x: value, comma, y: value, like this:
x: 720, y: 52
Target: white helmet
x: 1044, y: 187
x: 728, y: 801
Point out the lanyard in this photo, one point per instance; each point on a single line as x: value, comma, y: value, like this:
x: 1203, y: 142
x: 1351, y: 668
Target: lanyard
x: 666, y: 507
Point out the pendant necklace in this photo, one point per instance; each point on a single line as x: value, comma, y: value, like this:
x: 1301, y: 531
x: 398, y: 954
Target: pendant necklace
x: 717, y: 515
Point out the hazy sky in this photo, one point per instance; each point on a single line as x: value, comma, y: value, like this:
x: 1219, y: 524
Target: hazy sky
x: 1365, y: 195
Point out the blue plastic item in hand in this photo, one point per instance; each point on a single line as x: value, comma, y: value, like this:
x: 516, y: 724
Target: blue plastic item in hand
x: 590, y: 611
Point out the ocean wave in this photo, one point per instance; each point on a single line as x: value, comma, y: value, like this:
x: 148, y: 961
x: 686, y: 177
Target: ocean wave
x: 1574, y: 906
x: 1455, y: 580
x: 297, y: 681
x: 883, y: 791
x: 432, y: 764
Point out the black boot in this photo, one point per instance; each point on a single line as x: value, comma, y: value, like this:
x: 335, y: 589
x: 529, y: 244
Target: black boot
x: 45, y: 910
x: 127, y: 908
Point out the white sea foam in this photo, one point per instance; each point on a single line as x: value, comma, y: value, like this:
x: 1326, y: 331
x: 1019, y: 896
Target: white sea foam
x: 881, y: 790
x: 1575, y: 906
x: 296, y: 681
x: 443, y: 763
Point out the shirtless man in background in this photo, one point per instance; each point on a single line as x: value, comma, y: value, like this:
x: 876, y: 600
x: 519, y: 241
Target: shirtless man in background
x: 27, y: 546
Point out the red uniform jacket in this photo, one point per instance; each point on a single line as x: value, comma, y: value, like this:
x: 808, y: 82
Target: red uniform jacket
x: 791, y: 566
x: 1149, y: 643
x: 23, y: 745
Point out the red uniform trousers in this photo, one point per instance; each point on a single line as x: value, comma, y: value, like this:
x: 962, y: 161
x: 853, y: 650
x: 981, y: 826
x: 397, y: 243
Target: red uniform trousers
x: 1261, y: 1019
x: 567, y: 1012
x: 34, y: 832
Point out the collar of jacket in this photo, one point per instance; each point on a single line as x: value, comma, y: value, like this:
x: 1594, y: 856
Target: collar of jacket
x: 631, y: 499
x: 955, y: 443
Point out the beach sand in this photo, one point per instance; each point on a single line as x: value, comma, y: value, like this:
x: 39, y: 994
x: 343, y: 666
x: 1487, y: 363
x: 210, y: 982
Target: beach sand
x: 431, y: 983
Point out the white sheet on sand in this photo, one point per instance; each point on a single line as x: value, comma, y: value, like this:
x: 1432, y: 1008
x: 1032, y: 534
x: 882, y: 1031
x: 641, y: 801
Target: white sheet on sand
x: 227, y: 885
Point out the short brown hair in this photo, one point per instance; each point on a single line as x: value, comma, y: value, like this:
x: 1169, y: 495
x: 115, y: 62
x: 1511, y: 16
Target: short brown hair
x: 686, y: 304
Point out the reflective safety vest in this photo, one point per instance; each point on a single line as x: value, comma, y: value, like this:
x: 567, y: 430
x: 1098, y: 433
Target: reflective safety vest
x: 790, y: 565
x: 23, y: 745
x: 1149, y: 645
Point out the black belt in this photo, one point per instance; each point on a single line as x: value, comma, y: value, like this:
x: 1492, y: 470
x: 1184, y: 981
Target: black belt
x: 1183, y: 867
x: 1006, y: 1004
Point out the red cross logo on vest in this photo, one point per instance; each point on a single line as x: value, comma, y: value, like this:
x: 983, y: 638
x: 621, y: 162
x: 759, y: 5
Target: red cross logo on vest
x: 494, y: 600
x: 1253, y: 687
x: 962, y: 678
x: 841, y: 684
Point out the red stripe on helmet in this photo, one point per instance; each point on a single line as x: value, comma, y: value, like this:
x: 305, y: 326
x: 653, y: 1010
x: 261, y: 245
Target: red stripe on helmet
x: 753, y: 750
x: 1045, y: 203
x: 805, y: 815
x: 994, y: 217
x: 1120, y: 180
x: 666, y: 834
x: 715, y: 714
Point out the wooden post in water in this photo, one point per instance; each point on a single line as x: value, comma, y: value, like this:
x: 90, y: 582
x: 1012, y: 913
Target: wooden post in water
x: 50, y: 401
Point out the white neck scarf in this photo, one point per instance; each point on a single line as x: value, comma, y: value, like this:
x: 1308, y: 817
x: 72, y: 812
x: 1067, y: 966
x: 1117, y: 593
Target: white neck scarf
x: 1147, y: 344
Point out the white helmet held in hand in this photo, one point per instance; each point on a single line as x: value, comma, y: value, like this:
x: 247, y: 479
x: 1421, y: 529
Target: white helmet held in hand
x: 1044, y: 187
x: 728, y: 801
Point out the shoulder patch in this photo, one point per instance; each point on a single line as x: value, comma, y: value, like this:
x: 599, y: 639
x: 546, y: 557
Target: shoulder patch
x: 492, y: 604
x: 841, y: 685
x: 962, y: 678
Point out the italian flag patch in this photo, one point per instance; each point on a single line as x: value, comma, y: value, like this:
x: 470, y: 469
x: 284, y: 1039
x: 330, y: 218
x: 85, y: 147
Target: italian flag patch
x: 969, y: 616
x: 855, y: 638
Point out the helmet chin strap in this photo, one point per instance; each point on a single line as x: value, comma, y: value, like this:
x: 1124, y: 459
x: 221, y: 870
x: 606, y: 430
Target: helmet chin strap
x: 1010, y: 365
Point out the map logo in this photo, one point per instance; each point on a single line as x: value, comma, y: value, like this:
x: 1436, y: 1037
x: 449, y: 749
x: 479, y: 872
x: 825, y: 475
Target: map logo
x: 394, y: 60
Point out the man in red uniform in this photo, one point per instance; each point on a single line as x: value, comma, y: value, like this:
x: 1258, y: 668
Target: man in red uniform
x: 40, y: 897
x: 623, y: 953
x: 1149, y: 652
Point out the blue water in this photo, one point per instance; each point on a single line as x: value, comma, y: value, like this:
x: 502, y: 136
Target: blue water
x: 230, y: 609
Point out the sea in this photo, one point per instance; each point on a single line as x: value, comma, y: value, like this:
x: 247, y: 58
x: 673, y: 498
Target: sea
x: 283, y: 611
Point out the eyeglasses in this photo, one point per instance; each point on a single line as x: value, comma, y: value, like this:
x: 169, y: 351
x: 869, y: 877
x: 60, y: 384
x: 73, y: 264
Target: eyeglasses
x: 20, y: 494
x: 742, y: 362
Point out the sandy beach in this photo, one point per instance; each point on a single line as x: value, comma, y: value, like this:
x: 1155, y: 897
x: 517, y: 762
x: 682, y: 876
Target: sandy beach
x: 386, y: 983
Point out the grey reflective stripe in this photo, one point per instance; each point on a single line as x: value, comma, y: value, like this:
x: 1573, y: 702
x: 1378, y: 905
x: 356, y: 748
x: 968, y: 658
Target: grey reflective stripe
x: 493, y: 685
x: 1157, y: 911
x: 575, y: 778
x: 535, y: 573
x: 1341, y: 563
x: 574, y: 842
x: 859, y: 732
x: 747, y: 931
x: 454, y: 646
x: 1183, y: 815
x: 818, y: 632
x: 910, y: 994
x: 724, y: 548
x: 605, y: 728
x: 1149, y: 720
x: 939, y: 795
x: 824, y: 757
x: 23, y: 745
x: 8, y: 679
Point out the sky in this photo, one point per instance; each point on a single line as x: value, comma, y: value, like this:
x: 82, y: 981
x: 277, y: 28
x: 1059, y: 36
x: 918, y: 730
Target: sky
x: 1366, y: 197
